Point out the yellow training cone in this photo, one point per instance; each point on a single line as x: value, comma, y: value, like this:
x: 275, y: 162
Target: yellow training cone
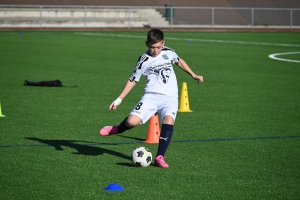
x: 1, y: 115
x: 184, y: 105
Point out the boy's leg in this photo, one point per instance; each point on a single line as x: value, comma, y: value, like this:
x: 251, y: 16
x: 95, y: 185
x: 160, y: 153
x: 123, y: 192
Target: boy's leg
x: 168, y: 113
x: 140, y: 114
x: 164, y: 141
x: 111, y: 130
x: 127, y: 124
x: 122, y: 126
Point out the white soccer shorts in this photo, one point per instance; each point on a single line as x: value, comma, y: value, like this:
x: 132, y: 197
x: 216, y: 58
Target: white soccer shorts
x: 152, y: 103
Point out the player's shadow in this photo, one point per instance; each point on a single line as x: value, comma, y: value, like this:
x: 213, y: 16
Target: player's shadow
x: 82, y: 149
x: 134, y: 138
x: 126, y: 164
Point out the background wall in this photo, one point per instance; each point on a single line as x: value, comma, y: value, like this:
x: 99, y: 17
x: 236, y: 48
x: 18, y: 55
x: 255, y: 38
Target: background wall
x: 200, y: 3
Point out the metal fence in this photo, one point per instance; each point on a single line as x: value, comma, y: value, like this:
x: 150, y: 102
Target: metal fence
x: 134, y: 16
x: 224, y: 16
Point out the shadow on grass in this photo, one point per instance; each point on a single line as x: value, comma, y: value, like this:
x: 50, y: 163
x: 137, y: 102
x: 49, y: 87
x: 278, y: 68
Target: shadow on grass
x: 126, y: 164
x: 134, y: 138
x: 82, y: 149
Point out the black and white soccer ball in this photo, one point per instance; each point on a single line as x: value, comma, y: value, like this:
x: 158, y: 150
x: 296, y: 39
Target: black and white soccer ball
x: 141, y: 157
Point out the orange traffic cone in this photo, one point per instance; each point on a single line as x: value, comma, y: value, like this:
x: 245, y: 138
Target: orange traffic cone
x: 153, y: 131
x: 184, y: 105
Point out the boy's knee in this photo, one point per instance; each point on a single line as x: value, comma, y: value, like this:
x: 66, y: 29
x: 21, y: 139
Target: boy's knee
x: 133, y: 121
x: 168, y: 120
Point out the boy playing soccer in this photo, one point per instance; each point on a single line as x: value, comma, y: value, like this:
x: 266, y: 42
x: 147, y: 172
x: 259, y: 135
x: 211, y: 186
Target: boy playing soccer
x: 160, y: 95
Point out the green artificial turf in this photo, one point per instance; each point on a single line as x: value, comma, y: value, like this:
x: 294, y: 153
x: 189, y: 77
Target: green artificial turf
x: 242, y: 140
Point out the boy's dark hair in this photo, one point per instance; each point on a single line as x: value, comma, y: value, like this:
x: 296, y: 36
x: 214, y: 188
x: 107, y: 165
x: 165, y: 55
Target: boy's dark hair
x: 155, y: 36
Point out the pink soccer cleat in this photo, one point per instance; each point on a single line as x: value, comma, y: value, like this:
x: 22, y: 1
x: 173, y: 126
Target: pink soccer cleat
x: 108, y: 130
x: 160, y: 162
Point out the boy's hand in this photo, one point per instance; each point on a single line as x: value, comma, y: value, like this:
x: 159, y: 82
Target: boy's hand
x: 199, y: 79
x: 115, y: 104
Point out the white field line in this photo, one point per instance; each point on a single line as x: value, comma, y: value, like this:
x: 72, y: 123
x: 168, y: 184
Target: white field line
x: 196, y: 40
x: 273, y: 56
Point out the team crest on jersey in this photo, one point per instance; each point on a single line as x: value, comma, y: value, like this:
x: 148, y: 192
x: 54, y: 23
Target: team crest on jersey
x: 163, y: 74
x: 165, y: 57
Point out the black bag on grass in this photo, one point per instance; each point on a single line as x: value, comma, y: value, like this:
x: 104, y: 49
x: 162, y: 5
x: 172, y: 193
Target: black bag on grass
x: 55, y: 83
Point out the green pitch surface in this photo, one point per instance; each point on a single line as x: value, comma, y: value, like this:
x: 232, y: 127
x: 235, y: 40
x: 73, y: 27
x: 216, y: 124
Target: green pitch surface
x: 242, y: 140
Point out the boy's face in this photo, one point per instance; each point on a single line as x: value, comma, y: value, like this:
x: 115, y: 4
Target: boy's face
x: 155, y: 49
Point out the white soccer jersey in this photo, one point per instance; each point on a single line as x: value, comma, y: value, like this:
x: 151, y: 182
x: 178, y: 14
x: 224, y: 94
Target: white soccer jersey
x: 158, y: 72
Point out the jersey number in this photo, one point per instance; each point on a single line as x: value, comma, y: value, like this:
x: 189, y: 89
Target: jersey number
x: 137, y: 107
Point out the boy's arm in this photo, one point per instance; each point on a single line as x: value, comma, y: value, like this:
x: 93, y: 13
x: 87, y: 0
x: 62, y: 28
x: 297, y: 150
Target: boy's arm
x: 184, y: 66
x: 127, y: 88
